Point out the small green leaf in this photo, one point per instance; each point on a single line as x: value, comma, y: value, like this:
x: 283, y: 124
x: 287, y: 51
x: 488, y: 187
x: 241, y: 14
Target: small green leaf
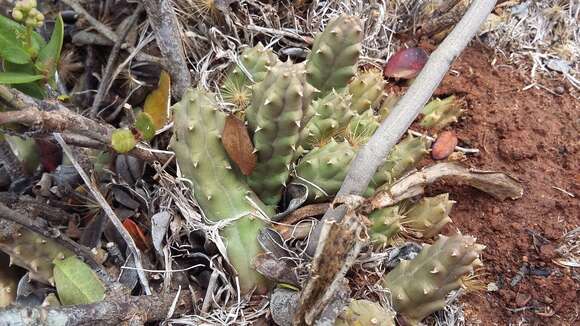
x: 144, y: 123
x: 49, y: 55
x: 17, y: 32
x: 12, y: 51
x: 123, y: 140
x: 18, y: 78
x: 76, y: 283
x: 35, y: 89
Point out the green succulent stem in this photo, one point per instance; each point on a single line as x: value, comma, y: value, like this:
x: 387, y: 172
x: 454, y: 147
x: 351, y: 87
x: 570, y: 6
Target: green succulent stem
x: 419, y: 286
x: 220, y: 192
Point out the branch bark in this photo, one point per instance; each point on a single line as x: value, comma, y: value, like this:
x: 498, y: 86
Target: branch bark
x: 371, y: 156
x: 120, y: 310
x: 51, y: 116
x: 164, y: 22
x: 498, y: 185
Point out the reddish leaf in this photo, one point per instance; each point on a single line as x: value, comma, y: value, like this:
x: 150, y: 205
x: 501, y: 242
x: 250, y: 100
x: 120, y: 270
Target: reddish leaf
x: 406, y: 63
x: 134, y: 230
x: 238, y: 144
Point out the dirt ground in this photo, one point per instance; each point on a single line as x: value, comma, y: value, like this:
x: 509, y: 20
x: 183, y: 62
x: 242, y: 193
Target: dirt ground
x: 532, y: 135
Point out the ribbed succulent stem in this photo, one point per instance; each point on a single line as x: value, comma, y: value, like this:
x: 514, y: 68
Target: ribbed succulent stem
x: 365, y: 313
x: 386, y: 225
x: 404, y: 157
x: 31, y: 251
x: 252, y: 68
x: 324, y: 168
x: 218, y: 189
x: 335, y: 52
x: 440, y: 113
x: 427, y: 217
x: 279, y: 110
x: 361, y: 127
x: 419, y: 287
x: 366, y: 89
x: 332, y: 114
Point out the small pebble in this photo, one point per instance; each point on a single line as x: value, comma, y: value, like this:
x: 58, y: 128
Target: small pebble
x: 492, y: 287
x: 560, y: 90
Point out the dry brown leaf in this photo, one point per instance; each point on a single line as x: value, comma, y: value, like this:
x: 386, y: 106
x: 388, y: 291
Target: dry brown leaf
x: 238, y: 144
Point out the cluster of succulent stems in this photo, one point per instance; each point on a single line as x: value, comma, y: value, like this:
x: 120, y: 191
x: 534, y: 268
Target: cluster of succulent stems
x: 306, y: 122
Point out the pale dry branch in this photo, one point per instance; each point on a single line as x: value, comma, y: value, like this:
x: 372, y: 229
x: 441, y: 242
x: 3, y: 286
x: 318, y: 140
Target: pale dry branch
x: 164, y: 22
x: 51, y: 116
x: 371, y: 156
x: 121, y: 310
x: 109, y: 212
x: 499, y: 185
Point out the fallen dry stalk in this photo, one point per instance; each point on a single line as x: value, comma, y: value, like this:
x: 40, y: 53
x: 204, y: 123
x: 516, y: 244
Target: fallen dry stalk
x: 499, y: 185
x: 340, y: 244
x: 50, y: 116
x: 110, y: 214
x: 164, y: 22
x: 121, y: 310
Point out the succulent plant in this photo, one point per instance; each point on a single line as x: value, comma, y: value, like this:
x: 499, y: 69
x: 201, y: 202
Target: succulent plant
x: 324, y: 168
x: 427, y: 217
x: 386, y: 225
x: 31, y: 251
x: 361, y: 127
x: 439, y: 113
x: 419, y: 287
x: 403, y: 157
x: 220, y: 192
x: 332, y: 114
x: 335, y: 52
x: 389, y: 102
x: 423, y: 219
x: 253, y: 65
x: 280, y: 105
x: 366, y: 89
x: 365, y: 313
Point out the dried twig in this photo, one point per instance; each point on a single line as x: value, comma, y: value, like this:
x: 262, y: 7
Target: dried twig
x: 371, y: 156
x: 106, y: 78
x: 164, y: 22
x: 457, y: 148
x: 340, y: 245
x: 121, y: 310
x: 106, y: 31
x: 51, y: 116
x: 499, y: 185
x: 110, y: 213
